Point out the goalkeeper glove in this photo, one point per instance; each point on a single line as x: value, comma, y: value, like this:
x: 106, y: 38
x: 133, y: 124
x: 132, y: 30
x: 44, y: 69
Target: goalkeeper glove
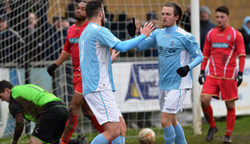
x: 239, y: 78
x: 201, y: 77
x: 182, y: 71
x: 51, y: 69
x: 131, y: 28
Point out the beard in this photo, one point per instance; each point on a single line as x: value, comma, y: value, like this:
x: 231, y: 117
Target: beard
x: 82, y: 18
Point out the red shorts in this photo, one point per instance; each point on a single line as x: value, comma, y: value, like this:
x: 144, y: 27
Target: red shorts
x: 213, y: 87
x: 77, y: 84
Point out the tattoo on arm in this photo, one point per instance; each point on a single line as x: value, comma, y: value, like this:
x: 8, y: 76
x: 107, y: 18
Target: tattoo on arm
x: 19, y: 126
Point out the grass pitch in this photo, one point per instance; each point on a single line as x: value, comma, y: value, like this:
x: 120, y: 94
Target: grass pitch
x: 241, y: 134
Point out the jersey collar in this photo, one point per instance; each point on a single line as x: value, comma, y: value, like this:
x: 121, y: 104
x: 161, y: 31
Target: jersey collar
x: 171, y: 29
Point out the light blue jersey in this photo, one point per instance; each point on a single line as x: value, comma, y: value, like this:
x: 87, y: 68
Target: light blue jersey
x: 95, y: 61
x: 176, y: 48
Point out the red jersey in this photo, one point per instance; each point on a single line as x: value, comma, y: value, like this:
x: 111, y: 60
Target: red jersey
x: 222, y: 47
x: 71, y: 46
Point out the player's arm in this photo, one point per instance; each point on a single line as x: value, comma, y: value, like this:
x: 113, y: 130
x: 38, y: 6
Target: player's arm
x: 65, y: 54
x: 193, y: 48
x: 195, y: 52
x: 18, y: 128
x: 240, y: 47
x: 124, y: 46
x: 16, y: 111
x: 114, y: 54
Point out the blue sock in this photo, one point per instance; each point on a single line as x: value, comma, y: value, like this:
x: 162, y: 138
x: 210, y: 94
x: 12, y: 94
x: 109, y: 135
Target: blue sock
x: 119, y: 140
x: 169, y: 135
x: 180, y: 136
x: 100, y: 139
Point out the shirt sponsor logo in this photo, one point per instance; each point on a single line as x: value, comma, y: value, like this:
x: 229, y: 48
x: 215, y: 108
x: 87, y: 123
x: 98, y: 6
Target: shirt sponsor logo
x: 74, y: 40
x: 220, y: 45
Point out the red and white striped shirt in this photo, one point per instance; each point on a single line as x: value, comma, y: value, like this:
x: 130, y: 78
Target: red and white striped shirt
x: 222, y: 47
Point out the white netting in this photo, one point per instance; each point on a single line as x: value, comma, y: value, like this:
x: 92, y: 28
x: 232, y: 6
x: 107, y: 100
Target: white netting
x: 33, y: 34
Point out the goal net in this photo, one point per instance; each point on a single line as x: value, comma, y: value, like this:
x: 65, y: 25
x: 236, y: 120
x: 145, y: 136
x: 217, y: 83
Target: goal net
x: 32, y: 37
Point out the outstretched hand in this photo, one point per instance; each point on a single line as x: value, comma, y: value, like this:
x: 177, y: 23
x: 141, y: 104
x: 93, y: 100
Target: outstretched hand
x: 114, y: 54
x: 147, y: 29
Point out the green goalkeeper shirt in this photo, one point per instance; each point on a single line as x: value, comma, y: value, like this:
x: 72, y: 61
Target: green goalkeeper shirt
x: 30, y: 99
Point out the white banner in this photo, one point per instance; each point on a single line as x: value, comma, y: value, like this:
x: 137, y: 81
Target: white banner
x: 137, y: 89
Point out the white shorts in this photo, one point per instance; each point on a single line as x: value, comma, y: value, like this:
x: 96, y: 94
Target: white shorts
x: 103, y: 105
x: 171, y: 100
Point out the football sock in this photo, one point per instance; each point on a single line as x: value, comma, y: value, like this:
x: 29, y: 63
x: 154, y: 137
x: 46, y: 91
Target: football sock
x: 230, y: 121
x: 119, y: 140
x: 66, y: 136
x: 208, y: 113
x: 100, y: 139
x: 180, y: 136
x: 169, y: 135
x: 97, y: 125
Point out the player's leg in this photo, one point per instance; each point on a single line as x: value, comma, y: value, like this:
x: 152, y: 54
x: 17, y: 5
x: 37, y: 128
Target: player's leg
x: 104, y: 107
x: 75, y: 105
x: 166, y: 122
x: 121, y: 138
x: 71, y: 124
x: 88, y: 113
x: 51, y: 123
x: 210, y: 89
x: 229, y: 93
x: 34, y: 140
x: 180, y: 135
x: 231, y: 116
x: 170, y: 104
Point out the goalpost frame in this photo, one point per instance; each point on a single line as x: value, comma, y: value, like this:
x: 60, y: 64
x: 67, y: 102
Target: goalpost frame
x: 195, y: 29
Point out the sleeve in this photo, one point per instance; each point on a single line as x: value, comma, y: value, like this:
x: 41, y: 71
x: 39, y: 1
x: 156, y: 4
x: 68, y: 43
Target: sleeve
x: 14, y: 107
x: 16, y: 112
x: 124, y: 46
x: 206, y: 51
x: 194, y: 50
x: 106, y: 38
x: 66, y: 47
x: 149, y: 42
x: 239, y: 44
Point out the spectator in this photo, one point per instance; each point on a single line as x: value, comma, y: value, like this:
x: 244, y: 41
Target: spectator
x: 245, y: 30
x: 34, y: 50
x: 11, y: 43
x: 205, y: 24
x: 55, y: 43
x: 186, y: 20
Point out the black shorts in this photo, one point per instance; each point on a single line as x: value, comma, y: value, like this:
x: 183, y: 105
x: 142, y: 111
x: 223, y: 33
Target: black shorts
x: 50, y: 124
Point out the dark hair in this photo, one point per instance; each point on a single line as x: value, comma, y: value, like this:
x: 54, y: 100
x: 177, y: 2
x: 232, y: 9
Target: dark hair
x: 5, y: 84
x: 222, y: 9
x: 177, y: 9
x: 92, y: 8
x: 79, y: 1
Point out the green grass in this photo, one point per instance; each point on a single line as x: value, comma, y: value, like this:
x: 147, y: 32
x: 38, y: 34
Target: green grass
x: 241, y: 134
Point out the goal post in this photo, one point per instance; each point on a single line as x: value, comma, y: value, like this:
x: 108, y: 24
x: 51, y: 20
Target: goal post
x: 195, y: 27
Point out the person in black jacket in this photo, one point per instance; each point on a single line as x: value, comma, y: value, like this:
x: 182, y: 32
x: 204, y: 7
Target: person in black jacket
x: 205, y: 24
x: 11, y: 43
x: 245, y: 30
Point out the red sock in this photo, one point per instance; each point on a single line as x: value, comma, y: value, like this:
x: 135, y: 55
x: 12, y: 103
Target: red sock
x: 66, y: 136
x: 97, y: 125
x: 208, y: 113
x: 230, y: 121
